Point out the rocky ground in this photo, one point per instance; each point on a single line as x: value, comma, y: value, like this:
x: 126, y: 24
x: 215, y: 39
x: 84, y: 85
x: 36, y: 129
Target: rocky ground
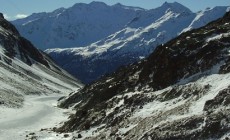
x: 179, y: 92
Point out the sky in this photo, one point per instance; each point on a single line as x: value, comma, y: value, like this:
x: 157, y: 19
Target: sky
x: 13, y: 9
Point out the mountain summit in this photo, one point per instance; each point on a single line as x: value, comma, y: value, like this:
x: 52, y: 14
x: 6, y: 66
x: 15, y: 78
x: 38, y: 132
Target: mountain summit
x: 175, y: 6
x: 134, y: 42
x: 79, y: 25
x: 92, y: 40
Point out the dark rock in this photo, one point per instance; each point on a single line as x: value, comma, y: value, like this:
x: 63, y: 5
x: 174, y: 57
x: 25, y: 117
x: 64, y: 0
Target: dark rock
x: 87, y: 125
x: 54, y: 128
x: 43, y: 129
x: 66, y: 135
x: 34, y: 138
x: 222, y: 99
x: 1, y: 15
x: 79, y: 136
x: 225, y: 68
x: 1, y: 102
x: 61, y: 98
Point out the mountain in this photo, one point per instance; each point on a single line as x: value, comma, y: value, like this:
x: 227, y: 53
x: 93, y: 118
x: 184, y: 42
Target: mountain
x: 204, y: 17
x: 24, y: 70
x: 134, y: 42
x: 79, y: 25
x: 181, y: 91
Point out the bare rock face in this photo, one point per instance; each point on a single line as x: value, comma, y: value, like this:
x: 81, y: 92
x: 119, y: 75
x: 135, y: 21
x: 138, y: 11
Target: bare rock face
x: 1, y: 15
x: 8, y: 26
x: 181, y: 91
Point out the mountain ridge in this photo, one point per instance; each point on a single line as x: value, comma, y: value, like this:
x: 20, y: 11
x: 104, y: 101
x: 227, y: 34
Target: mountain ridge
x: 181, y: 91
x: 74, y: 29
x: 134, y: 42
x: 27, y: 71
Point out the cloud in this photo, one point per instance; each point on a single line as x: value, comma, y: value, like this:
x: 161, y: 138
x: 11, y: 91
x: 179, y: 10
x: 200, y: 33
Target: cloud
x: 18, y: 16
x: 6, y: 16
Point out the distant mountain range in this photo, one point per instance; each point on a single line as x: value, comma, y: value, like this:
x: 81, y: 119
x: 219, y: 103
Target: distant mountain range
x: 24, y: 70
x: 109, y: 36
x: 79, y: 25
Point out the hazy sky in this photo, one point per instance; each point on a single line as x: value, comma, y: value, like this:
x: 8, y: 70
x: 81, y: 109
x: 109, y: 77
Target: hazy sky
x: 20, y: 8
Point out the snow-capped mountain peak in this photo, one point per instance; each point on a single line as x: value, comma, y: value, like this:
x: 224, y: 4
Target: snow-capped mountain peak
x: 176, y: 7
x: 92, y: 45
x: 93, y: 4
x: 119, y: 5
x: 58, y: 11
x: 79, y: 25
x: 135, y: 41
x: 203, y: 17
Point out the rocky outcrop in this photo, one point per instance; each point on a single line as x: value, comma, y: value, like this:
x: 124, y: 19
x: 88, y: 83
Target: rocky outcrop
x: 179, y: 92
x: 1, y: 15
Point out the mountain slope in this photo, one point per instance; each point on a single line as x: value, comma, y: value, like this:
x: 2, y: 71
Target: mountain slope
x: 24, y: 70
x: 79, y: 25
x: 134, y: 42
x: 181, y: 91
x: 204, y: 17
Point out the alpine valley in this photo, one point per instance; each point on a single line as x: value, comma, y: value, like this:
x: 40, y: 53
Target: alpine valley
x: 92, y: 40
x: 31, y: 83
x: 158, y: 74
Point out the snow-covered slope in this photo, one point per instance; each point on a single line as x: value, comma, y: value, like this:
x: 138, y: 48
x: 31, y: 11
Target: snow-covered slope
x: 79, y: 25
x: 181, y: 91
x: 134, y: 42
x: 204, y: 17
x: 24, y: 70
x: 38, y: 113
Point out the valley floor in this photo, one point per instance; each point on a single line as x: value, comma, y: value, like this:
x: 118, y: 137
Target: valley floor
x: 38, y: 112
